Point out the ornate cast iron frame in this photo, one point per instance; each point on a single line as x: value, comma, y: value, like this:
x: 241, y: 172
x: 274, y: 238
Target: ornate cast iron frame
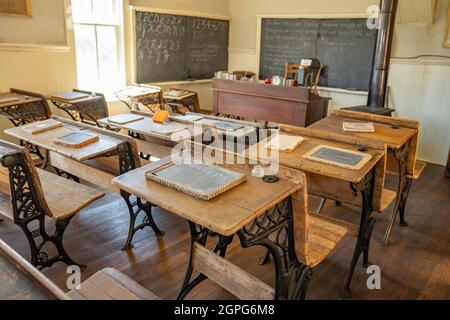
x: 403, y: 189
x: 367, y: 223
x: 126, y: 164
x: 30, y: 215
x: 24, y: 114
x: 275, y: 231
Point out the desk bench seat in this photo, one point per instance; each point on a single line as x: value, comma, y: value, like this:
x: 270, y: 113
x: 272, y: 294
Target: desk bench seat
x: 64, y: 197
x: 323, y: 236
x: 111, y: 284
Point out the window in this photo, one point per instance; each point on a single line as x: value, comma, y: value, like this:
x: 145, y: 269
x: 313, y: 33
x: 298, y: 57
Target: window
x: 99, y: 44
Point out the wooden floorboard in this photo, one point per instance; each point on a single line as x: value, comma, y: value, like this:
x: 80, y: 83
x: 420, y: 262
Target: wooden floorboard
x: 415, y: 266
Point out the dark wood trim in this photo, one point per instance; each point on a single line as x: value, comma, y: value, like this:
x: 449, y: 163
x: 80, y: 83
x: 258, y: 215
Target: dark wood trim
x: 447, y: 170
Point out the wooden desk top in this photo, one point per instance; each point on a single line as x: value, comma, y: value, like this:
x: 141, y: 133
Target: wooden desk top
x: 146, y: 127
x: 225, y: 214
x: 44, y: 140
x: 168, y: 96
x: 89, y: 98
x: 21, y: 281
x: 296, y: 160
x: 211, y: 121
x: 137, y: 91
x: 394, y: 138
x: 21, y: 99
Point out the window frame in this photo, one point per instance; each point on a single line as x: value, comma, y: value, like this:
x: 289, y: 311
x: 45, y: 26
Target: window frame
x: 120, y: 50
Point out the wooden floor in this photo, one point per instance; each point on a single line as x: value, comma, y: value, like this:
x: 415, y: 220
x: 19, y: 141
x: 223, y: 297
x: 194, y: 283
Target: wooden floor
x: 415, y: 266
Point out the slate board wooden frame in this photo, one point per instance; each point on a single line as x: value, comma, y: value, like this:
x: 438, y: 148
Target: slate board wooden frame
x: 134, y: 9
x: 25, y: 4
x: 206, y: 196
x: 365, y: 157
x: 260, y: 17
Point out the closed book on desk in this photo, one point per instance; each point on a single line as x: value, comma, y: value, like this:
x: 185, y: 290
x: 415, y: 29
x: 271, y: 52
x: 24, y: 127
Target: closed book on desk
x: 358, y: 127
x: 285, y: 143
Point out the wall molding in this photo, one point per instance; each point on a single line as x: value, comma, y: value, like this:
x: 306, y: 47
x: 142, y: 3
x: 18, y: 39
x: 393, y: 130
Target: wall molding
x: 24, y: 47
x: 422, y: 62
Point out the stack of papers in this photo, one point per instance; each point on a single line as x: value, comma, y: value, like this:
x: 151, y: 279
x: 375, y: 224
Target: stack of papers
x: 285, y: 143
x: 358, y: 127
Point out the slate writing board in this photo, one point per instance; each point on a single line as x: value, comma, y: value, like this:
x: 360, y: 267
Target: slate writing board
x: 345, y: 46
x: 338, y: 157
x: 179, y: 48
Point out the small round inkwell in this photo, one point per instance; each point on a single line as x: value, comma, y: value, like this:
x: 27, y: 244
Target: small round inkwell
x: 363, y: 149
x: 258, y: 172
x: 271, y: 179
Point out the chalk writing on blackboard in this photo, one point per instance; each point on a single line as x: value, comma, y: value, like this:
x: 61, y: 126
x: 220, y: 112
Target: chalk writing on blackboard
x: 173, y: 48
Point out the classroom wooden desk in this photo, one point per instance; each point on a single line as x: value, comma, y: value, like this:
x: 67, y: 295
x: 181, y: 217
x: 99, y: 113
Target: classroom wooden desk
x: 252, y: 211
x: 98, y: 163
x: 135, y: 95
x: 401, y: 138
x: 182, y: 101
x: 89, y: 108
x: 244, y: 135
x: 21, y: 281
x: 363, y: 187
x: 23, y: 107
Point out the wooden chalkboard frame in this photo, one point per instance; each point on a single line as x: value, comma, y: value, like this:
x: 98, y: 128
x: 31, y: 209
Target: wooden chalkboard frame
x: 318, y: 16
x: 134, y: 9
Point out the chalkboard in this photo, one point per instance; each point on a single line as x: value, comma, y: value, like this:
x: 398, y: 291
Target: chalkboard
x: 178, y: 48
x: 345, y: 46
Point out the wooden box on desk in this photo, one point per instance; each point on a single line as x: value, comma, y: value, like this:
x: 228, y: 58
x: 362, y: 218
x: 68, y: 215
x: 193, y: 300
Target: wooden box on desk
x: 286, y: 105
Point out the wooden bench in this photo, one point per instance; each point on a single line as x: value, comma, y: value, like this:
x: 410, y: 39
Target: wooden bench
x: 36, y: 196
x: 111, y: 284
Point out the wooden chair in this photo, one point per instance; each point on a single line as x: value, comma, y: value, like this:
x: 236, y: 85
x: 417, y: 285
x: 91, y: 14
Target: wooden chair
x: 291, y: 70
x: 37, y: 196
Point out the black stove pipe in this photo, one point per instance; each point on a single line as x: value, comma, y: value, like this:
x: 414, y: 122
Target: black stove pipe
x: 382, y: 56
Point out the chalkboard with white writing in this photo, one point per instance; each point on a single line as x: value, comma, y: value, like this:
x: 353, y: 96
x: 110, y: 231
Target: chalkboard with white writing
x: 178, y: 48
x: 345, y: 46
